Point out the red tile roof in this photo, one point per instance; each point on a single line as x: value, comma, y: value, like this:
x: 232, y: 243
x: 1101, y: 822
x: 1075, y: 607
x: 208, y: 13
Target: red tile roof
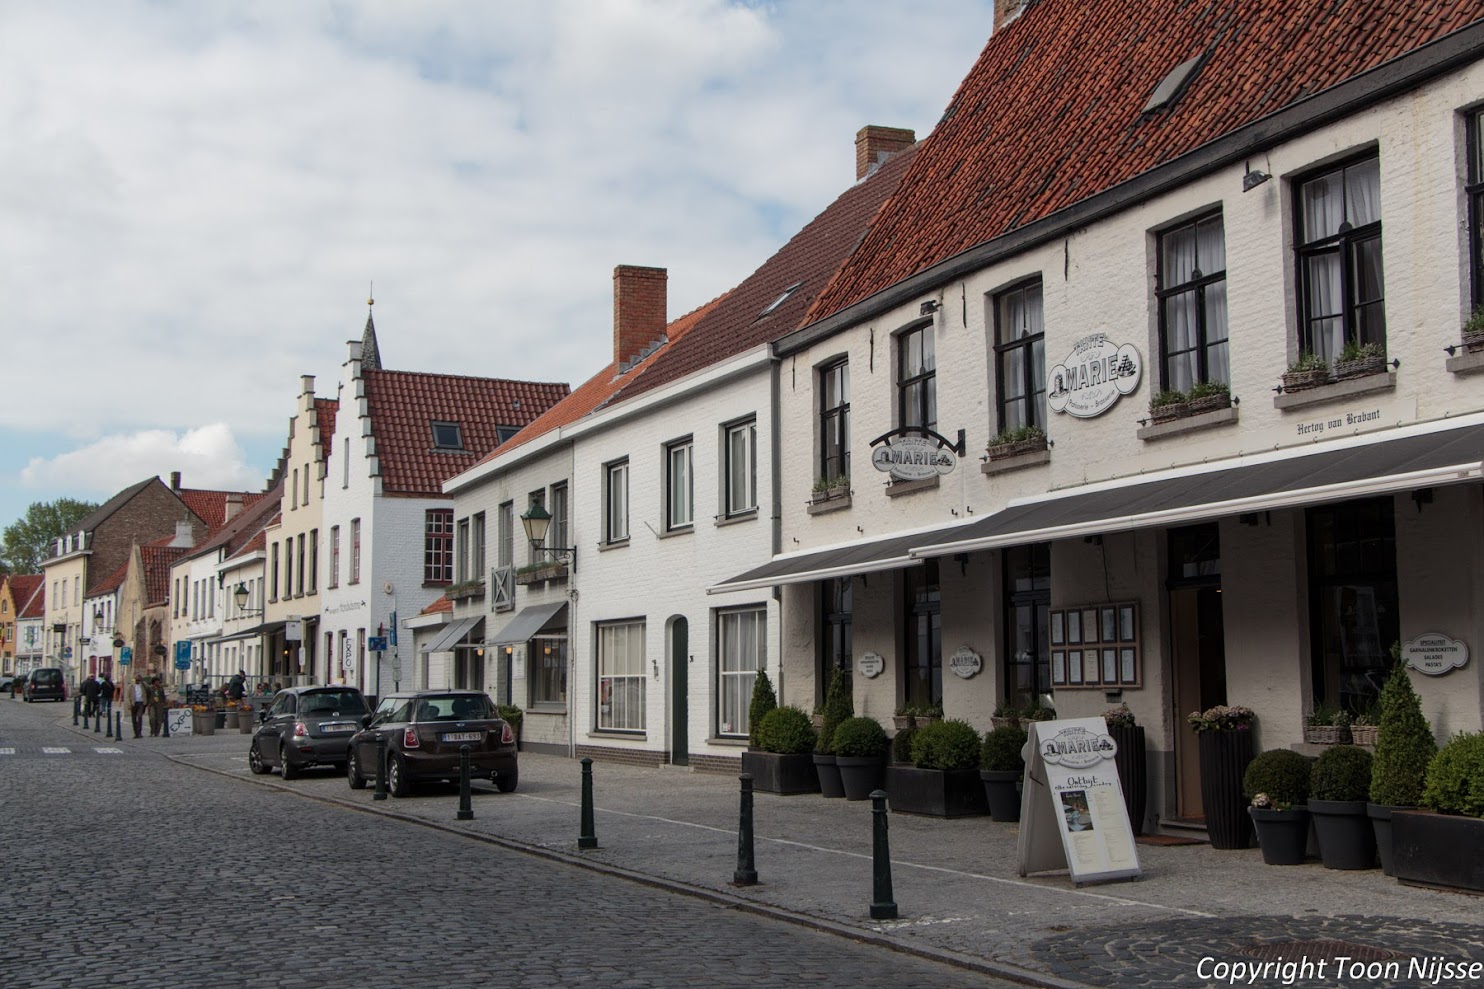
x: 157, y: 560
x: 805, y: 264
x: 404, y: 404
x: 324, y: 412
x: 1050, y: 114
x: 23, y: 589
x: 112, y: 582
x: 259, y: 540
x: 439, y: 606
x: 211, y: 506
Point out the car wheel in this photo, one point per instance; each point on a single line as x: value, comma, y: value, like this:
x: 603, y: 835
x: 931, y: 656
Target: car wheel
x: 255, y: 762
x: 397, y: 783
x: 289, y: 770
x: 506, y: 782
x: 353, y: 773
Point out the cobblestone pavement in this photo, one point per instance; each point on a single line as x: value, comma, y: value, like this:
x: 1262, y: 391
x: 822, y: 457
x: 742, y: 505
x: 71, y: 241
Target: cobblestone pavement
x: 127, y: 869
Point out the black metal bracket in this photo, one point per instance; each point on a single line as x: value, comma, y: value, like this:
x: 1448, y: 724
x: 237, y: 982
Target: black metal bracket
x: 942, y: 441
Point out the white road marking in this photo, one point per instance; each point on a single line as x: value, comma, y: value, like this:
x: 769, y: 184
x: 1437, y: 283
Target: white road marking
x: 109, y: 751
x: 55, y: 750
x: 7, y: 751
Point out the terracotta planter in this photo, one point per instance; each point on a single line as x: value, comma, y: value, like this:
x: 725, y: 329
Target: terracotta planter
x: 1283, y: 834
x: 1224, y: 758
x: 1346, y: 838
x: 828, y: 772
x: 1301, y: 380
x: 936, y: 792
x: 785, y: 774
x: 860, y: 774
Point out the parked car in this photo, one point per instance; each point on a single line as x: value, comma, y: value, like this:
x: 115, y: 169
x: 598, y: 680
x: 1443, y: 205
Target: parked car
x: 46, y: 684
x: 6, y: 679
x: 424, y: 732
x: 307, y: 726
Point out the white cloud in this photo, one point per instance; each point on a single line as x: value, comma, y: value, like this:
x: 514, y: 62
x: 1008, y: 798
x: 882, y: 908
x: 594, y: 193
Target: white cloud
x: 207, y: 457
x: 196, y: 194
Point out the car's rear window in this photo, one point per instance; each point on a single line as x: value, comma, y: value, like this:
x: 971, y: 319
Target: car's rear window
x: 47, y: 676
x: 455, y: 707
x: 332, y: 702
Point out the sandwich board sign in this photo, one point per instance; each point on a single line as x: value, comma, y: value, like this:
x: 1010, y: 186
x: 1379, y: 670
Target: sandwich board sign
x: 1072, y: 814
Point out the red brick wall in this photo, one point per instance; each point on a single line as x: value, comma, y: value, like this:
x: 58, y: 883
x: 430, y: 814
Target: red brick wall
x: 873, y: 141
x: 639, y: 309
x: 149, y: 515
x: 631, y: 757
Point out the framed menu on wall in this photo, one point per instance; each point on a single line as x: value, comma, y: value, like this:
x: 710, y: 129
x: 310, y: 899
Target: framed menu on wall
x: 1096, y: 646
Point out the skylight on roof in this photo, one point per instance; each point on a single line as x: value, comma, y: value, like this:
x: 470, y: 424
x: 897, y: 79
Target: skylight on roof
x: 780, y: 300
x: 504, y: 433
x: 447, y: 436
x: 1173, y: 86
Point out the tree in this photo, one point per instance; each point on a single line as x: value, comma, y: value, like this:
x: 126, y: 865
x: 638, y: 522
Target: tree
x: 26, y: 543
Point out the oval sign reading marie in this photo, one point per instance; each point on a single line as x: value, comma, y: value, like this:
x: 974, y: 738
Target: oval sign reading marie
x: 965, y: 662
x: 913, y: 458
x: 1094, y: 377
x: 871, y: 665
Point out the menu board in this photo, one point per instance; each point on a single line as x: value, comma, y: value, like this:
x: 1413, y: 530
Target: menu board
x: 1096, y: 646
x: 1072, y: 814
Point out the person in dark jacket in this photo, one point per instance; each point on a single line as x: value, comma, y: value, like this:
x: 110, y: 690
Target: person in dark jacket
x: 89, y: 696
x: 237, y: 686
x: 105, y: 695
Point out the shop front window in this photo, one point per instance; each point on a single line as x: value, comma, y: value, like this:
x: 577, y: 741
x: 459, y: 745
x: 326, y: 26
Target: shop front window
x: 1353, y: 600
x: 1027, y: 658
x: 835, y: 624
x: 923, y: 680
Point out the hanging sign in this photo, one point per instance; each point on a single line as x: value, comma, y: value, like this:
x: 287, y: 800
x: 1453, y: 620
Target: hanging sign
x: 913, y: 458
x: 1094, y: 377
x: 965, y: 662
x: 871, y: 665
x: 1072, y: 814
x: 293, y: 630
x: 1434, y: 653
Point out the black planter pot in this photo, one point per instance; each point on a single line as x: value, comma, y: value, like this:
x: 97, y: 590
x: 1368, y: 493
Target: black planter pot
x: 785, y: 774
x: 1224, y: 758
x: 1283, y: 834
x: 1380, y: 815
x: 860, y: 774
x: 1132, y: 771
x: 1430, y: 849
x: 1346, y: 839
x: 937, y: 792
x: 828, y: 772
x: 1002, y: 793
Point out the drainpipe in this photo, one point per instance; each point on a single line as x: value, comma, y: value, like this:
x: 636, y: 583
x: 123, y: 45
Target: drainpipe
x: 776, y: 458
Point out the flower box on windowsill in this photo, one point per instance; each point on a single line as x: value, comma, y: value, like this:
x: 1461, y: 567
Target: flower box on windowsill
x: 555, y: 570
x: 1359, y: 367
x: 468, y: 590
x: 836, y: 491
x: 1015, y: 448
x: 1301, y: 380
x: 1472, y: 340
x: 1191, y: 407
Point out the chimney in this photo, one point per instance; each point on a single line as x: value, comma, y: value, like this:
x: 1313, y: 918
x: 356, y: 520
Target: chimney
x: 234, y: 505
x: 184, y: 535
x: 1006, y: 11
x: 874, y: 144
x: 175, y: 481
x: 639, y: 310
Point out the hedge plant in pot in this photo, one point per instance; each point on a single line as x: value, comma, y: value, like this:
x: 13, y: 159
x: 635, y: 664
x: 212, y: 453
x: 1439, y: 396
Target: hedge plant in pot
x: 1404, y: 747
x: 763, y: 700
x: 1001, y: 769
x: 860, y: 754
x: 783, y: 761
x: 1442, y: 848
x: 1338, y: 785
x: 837, y: 707
x: 1277, y: 784
x: 901, y: 746
x: 1132, y: 762
x: 943, y: 779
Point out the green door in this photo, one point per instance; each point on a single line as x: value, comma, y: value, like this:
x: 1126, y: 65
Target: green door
x: 679, y: 711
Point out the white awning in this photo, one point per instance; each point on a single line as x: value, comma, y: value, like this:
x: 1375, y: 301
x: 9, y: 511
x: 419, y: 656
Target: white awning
x: 450, y: 634
x: 531, y: 620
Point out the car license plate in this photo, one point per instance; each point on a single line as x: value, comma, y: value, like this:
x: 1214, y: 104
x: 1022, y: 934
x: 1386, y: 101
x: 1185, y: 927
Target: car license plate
x: 330, y: 729
x: 463, y: 736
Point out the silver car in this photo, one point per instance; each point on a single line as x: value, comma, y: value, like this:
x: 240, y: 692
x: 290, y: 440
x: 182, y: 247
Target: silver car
x: 307, y: 726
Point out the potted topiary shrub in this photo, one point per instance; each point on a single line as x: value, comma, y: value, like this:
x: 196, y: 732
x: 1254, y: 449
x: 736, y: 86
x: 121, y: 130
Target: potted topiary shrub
x: 837, y: 707
x: 763, y: 701
x: 1277, y: 784
x: 943, y: 779
x: 1404, y: 747
x: 1000, y: 770
x: 860, y: 754
x: 901, y: 745
x: 1132, y: 762
x: 1338, y: 785
x: 1224, y: 734
x: 783, y: 761
x: 1442, y: 848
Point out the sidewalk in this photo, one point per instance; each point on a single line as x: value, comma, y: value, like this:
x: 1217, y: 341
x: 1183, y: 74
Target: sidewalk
x: 954, y: 881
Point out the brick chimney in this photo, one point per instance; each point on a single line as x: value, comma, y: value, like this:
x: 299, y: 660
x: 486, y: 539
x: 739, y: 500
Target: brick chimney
x: 1006, y: 11
x: 639, y: 310
x: 874, y: 144
x: 175, y: 481
x: 234, y: 505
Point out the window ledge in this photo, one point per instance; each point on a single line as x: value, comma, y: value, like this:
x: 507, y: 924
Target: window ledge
x: 616, y: 544
x: 547, y: 708
x: 898, y: 488
x: 1348, y: 388
x: 617, y: 733
x: 1189, y: 424
x: 683, y: 530
x: 1019, y: 461
x: 733, y: 520
x: 730, y: 741
x: 829, y: 505
x: 1466, y: 363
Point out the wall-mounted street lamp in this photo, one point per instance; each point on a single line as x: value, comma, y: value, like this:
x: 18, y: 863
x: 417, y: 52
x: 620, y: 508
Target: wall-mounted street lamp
x: 240, y: 597
x: 537, y: 521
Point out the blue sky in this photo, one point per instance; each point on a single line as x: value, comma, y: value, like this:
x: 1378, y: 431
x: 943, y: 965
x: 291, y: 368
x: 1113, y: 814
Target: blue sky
x: 196, y: 195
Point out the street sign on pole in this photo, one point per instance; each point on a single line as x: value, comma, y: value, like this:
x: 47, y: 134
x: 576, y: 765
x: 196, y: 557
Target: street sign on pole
x: 376, y: 643
x: 126, y: 656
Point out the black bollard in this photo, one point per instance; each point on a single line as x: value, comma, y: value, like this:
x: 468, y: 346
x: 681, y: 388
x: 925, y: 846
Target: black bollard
x: 118, y: 724
x: 745, y: 875
x: 380, y: 793
x: 883, y: 907
x: 76, y: 707
x: 466, y: 803
x: 107, y: 726
x: 165, y: 724
x: 98, y: 721
x: 587, y: 839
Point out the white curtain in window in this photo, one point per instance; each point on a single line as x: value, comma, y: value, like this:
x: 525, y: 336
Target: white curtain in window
x: 740, y: 647
x: 1323, y: 207
x: 1363, y: 192
x: 621, y: 677
x: 1326, y: 327
x: 1218, y: 367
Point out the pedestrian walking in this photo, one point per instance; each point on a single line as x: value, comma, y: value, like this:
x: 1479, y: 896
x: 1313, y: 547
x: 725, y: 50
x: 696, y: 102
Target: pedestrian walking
x: 90, y: 696
x: 138, y: 700
x: 237, y: 686
x: 156, y: 693
x: 105, y: 695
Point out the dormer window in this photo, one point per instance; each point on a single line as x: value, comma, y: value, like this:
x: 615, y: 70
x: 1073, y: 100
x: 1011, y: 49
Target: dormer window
x: 447, y: 436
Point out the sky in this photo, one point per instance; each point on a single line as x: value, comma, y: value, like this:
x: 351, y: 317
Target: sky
x: 197, y: 198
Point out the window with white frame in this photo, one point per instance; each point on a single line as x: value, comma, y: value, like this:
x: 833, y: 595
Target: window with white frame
x: 273, y: 573
x: 1191, y: 288
x: 355, y: 551
x: 917, y: 378
x: 1341, y: 288
x: 334, y: 580
x: 313, y: 561
x: 476, y: 546
x: 556, y: 534
x: 739, y: 483
x: 679, y: 485
x: 616, y: 502
x: 463, y: 552
x: 740, y: 651
x: 1020, y: 357
x: 504, y: 534
x: 834, y: 421
x: 621, y: 676
x: 548, y: 664
x: 299, y: 574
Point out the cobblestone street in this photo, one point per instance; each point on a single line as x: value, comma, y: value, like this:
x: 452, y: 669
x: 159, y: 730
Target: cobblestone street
x: 129, y: 870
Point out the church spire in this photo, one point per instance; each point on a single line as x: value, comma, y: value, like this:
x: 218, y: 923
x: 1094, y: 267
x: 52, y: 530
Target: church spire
x: 370, y: 352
